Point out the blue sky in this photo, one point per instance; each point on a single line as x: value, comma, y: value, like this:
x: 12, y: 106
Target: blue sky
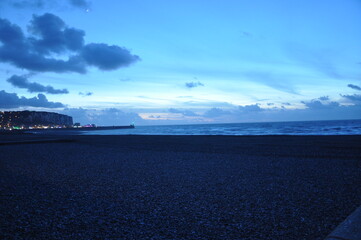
x: 172, y: 62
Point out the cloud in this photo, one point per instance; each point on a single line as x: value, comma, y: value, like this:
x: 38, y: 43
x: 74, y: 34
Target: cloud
x: 272, y: 80
x: 51, y: 37
x: 252, y: 113
x: 354, y: 87
x: 105, y: 117
x: 286, y: 103
x: 316, y: 110
x: 54, y: 35
x: 250, y: 108
x: 215, y: 112
x: 10, y: 34
x: 245, y: 34
x: 40, y: 4
x: 114, y: 116
x: 324, y: 98
x: 270, y: 104
x: 193, y: 84
x: 246, y: 113
x: 155, y: 117
x: 107, y: 57
x: 79, y: 114
x: 11, y: 100
x: 22, y: 82
x: 353, y: 98
x: 80, y: 3
x: 23, y: 3
x: 85, y: 94
x: 316, y: 104
x: 199, y: 103
x: 187, y: 113
x: 317, y: 59
x: 333, y: 112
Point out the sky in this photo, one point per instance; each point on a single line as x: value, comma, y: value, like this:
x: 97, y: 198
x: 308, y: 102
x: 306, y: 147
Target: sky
x: 182, y: 62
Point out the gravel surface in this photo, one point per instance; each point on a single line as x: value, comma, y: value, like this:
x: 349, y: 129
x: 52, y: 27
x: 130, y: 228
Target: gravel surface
x: 178, y: 187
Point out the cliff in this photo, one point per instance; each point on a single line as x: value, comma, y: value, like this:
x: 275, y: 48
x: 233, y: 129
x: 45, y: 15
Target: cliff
x: 32, y: 118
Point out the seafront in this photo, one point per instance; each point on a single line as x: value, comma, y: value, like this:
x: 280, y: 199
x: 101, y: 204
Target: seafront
x: 177, y: 187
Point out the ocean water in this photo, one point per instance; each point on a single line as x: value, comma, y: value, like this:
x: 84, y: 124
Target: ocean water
x: 339, y: 127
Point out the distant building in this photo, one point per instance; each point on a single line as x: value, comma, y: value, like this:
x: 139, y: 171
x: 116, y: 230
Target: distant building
x: 32, y: 119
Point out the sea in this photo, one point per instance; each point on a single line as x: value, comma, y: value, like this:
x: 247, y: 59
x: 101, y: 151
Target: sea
x: 337, y: 127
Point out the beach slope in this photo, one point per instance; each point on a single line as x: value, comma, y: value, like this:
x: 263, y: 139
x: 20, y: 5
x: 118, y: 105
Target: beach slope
x: 177, y: 187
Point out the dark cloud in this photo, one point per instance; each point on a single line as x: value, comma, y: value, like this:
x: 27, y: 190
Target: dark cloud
x: 216, y: 115
x: 315, y: 110
x: 250, y: 108
x: 114, y: 116
x: 10, y: 34
x: 26, y: 52
x: 216, y: 112
x: 107, y: 57
x: 173, y: 110
x: 85, y: 94
x: 270, y: 104
x: 23, y: 3
x: 187, y: 113
x: 286, y: 103
x: 193, y: 84
x: 11, y: 100
x: 106, y: 117
x: 316, y: 104
x: 51, y: 37
x: 79, y: 114
x: 324, y: 98
x: 354, y: 87
x: 41, y: 4
x: 80, y: 3
x: 353, y: 98
x: 54, y: 35
x: 22, y: 82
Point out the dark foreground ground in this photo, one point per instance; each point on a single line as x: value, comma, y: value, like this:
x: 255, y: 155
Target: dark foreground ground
x: 178, y: 187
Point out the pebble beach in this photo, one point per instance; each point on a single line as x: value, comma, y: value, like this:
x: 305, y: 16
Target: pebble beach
x: 177, y: 187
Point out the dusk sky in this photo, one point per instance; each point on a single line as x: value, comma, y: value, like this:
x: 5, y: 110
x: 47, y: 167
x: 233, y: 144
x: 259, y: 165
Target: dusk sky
x: 114, y: 62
